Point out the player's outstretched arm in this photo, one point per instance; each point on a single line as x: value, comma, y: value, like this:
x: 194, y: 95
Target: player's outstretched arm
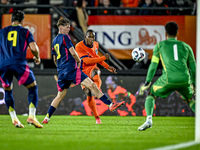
x: 112, y: 69
x: 35, y: 51
x: 88, y: 60
x: 96, y: 59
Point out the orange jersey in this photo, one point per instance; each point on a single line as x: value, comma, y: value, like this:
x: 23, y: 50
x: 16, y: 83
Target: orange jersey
x: 89, y: 57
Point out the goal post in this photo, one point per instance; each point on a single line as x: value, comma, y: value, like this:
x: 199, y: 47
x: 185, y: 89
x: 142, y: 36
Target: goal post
x: 197, y: 109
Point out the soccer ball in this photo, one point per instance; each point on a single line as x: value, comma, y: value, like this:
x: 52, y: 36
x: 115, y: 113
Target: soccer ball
x: 138, y: 54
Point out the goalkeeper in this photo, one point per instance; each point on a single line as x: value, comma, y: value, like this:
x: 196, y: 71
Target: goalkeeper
x: 178, y: 73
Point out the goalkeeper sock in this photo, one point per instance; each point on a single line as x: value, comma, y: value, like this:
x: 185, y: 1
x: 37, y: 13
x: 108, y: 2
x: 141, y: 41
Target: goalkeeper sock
x: 92, y: 104
x: 192, y: 105
x: 149, y: 105
x: 50, y: 111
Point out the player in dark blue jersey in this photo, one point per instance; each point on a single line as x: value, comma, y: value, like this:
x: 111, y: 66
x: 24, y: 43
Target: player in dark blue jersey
x: 68, y: 63
x: 14, y: 41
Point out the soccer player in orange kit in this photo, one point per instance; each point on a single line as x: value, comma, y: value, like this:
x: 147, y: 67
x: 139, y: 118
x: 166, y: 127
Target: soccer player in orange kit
x: 88, y: 52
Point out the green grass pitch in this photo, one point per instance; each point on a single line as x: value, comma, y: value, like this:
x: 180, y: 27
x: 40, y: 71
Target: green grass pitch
x: 81, y: 133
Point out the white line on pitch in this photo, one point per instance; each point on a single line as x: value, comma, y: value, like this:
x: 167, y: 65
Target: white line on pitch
x: 177, y: 146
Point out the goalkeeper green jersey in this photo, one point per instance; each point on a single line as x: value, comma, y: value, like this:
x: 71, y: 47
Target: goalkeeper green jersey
x: 177, y: 59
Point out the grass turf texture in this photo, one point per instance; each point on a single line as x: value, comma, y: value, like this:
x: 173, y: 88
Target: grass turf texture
x: 81, y: 133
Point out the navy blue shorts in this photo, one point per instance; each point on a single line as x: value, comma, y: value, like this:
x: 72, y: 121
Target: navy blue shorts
x: 75, y: 76
x: 23, y: 74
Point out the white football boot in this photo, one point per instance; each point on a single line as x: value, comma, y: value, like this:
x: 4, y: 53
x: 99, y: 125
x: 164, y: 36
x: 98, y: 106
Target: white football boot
x: 147, y: 124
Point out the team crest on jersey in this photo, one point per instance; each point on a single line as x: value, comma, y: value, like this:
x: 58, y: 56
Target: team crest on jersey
x: 96, y: 50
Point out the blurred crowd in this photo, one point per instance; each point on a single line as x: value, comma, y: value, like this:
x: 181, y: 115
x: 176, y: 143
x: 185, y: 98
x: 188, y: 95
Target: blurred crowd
x: 181, y: 7
x: 164, y: 6
x: 83, y: 8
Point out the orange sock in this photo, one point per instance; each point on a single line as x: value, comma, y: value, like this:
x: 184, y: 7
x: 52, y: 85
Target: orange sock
x: 97, y: 81
x: 92, y: 104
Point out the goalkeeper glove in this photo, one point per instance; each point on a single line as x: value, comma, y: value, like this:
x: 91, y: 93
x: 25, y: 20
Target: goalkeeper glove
x: 144, y: 87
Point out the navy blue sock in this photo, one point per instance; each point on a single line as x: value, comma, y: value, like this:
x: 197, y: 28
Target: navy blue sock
x: 9, y: 100
x: 33, y: 95
x: 51, y: 111
x: 105, y: 99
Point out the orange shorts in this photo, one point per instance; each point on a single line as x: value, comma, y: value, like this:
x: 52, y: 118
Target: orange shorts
x: 88, y: 72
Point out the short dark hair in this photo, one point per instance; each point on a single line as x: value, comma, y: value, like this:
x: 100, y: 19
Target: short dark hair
x: 63, y: 22
x: 17, y: 15
x: 171, y: 28
x: 90, y: 30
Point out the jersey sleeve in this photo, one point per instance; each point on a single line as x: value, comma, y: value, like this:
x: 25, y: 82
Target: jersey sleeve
x: 81, y: 52
x: 154, y: 63
x: 67, y: 41
x: 88, y: 60
x: 104, y: 64
x: 30, y: 37
x: 192, y: 65
x: 53, y: 51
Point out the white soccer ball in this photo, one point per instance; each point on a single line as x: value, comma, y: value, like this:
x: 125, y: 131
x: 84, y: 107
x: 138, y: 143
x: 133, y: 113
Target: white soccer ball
x: 138, y: 54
